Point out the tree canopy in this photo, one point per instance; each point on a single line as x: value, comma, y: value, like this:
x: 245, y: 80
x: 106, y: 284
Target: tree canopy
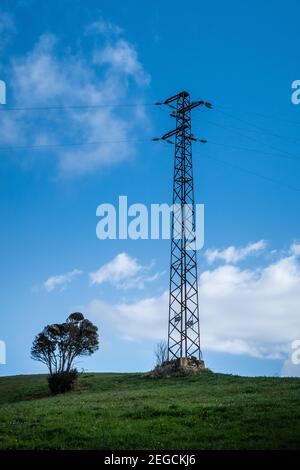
x: 59, y: 344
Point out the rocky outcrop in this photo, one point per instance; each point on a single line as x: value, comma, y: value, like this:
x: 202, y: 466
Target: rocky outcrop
x: 179, y: 367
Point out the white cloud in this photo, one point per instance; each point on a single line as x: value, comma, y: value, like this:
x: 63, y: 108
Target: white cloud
x: 7, y: 29
x: 104, y: 27
x: 120, y: 268
x: 123, y: 272
x: 255, y: 309
x: 123, y: 58
x: 247, y: 312
x: 45, y: 77
x: 144, y: 319
x: 6, y: 23
x: 60, y: 280
x: 233, y: 254
x: 295, y: 249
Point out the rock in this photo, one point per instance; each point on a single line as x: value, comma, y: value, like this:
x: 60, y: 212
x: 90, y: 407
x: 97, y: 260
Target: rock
x: 178, y: 367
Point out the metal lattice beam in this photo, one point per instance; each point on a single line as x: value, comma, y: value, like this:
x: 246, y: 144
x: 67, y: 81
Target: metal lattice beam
x: 184, y: 329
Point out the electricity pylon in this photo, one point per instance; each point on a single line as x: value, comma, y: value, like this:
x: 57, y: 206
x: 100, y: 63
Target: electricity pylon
x: 184, y: 325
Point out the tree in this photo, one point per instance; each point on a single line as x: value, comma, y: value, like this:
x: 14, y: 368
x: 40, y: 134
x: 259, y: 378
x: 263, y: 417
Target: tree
x: 58, y: 345
x: 161, y: 353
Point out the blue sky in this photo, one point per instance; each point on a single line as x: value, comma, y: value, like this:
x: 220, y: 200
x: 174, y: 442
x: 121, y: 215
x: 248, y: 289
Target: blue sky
x: 242, y: 57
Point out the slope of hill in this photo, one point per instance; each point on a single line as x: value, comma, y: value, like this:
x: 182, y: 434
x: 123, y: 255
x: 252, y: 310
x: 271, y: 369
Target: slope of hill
x: 131, y: 411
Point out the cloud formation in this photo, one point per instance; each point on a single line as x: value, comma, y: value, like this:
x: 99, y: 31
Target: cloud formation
x: 145, y: 319
x: 121, y: 56
x: 49, y: 76
x: 253, y: 312
x: 295, y: 249
x: 233, y: 254
x: 123, y: 272
x: 60, y: 281
x: 106, y: 28
x: 7, y: 28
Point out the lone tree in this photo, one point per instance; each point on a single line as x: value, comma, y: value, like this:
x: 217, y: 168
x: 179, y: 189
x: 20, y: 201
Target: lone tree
x: 58, y: 345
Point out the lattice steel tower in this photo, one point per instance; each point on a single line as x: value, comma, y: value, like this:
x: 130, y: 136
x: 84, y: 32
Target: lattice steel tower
x: 184, y: 326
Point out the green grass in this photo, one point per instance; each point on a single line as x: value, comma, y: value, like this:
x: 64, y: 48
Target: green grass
x: 131, y: 411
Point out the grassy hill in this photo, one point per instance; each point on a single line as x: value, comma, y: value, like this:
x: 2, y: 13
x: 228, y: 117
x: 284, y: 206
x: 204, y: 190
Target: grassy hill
x: 131, y: 411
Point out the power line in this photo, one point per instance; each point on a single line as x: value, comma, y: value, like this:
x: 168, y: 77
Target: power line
x: 103, y: 142
x: 258, y: 128
x: 259, y: 152
x: 129, y: 105
x: 253, y: 173
x: 265, y: 116
x: 73, y: 144
x: 88, y: 106
x: 287, y: 154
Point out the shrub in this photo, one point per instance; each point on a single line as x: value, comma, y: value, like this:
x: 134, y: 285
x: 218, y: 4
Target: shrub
x: 161, y: 353
x: 62, y: 382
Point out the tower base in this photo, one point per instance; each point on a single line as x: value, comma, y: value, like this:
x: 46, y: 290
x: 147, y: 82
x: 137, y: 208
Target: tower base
x: 183, y: 366
x: 190, y: 363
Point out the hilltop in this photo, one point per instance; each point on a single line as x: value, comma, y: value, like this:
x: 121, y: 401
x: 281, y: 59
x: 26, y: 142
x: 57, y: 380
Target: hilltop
x: 131, y: 411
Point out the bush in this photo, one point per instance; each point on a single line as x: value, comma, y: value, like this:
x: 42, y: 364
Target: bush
x: 62, y: 382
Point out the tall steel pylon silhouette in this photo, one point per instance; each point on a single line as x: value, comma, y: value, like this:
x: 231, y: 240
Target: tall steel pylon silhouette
x: 184, y: 324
